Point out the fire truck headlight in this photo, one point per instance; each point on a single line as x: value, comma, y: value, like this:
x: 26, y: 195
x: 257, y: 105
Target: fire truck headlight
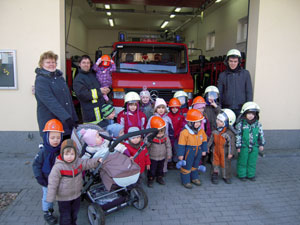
x: 119, y: 94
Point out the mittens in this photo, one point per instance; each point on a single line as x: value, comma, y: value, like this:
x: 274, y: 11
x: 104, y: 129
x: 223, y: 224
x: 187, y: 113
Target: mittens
x: 202, y: 168
x: 180, y: 164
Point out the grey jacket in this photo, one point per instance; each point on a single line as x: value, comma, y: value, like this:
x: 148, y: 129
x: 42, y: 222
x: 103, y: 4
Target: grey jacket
x: 65, y: 180
x: 160, y: 148
x: 235, y: 88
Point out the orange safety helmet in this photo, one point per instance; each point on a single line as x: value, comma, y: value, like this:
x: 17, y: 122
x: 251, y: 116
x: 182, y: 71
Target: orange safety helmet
x: 198, y: 99
x: 174, y: 102
x: 157, y: 122
x: 54, y: 125
x: 194, y: 115
x: 105, y: 59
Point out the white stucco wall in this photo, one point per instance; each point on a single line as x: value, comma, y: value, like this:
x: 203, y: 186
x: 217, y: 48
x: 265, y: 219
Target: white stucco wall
x: 275, y: 55
x: 30, y: 27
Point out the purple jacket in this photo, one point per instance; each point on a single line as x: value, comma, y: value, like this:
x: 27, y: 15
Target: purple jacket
x: 103, y: 74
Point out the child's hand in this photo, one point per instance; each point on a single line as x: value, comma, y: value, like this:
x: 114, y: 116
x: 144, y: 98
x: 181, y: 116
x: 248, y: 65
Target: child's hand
x: 169, y: 157
x: 100, y: 160
x: 203, y: 153
x: 180, y: 158
x: 261, y: 148
x: 238, y: 150
x: 98, y: 62
x: 208, y: 150
x: 229, y: 156
x: 148, y: 167
x: 131, y: 157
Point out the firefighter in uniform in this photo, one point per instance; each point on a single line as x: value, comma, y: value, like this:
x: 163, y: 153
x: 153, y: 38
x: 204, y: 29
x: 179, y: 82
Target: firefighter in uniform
x: 88, y: 92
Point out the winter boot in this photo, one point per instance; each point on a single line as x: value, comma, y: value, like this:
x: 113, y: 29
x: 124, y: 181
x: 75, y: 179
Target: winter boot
x: 214, y: 178
x: 160, y: 180
x: 252, y: 178
x: 188, y: 186
x: 150, y: 182
x: 227, y: 180
x: 49, y: 217
x: 196, y: 182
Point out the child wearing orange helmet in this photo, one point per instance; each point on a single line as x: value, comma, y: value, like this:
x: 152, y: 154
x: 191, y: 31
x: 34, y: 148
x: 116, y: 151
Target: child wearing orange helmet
x: 192, y: 145
x: 159, y: 151
x: 104, y: 68
x: 44, y: 161
x: 178, y: 122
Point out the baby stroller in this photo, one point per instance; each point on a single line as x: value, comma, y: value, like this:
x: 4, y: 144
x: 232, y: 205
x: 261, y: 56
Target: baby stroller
x: 124, y: 193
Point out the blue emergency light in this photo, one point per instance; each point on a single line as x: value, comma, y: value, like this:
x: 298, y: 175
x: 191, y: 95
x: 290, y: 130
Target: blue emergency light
x: 121, y: 37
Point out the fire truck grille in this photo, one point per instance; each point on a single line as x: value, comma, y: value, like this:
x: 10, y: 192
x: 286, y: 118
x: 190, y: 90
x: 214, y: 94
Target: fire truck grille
x: 166, y: 94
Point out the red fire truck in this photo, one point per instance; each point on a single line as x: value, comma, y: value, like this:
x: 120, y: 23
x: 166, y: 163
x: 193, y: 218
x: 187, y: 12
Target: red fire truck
x: 162, y: 67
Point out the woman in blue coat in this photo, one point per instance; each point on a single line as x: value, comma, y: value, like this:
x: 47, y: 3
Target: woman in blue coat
x: 52, y: 95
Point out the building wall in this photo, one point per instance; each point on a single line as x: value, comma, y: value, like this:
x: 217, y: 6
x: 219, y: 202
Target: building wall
x: 78, y: 33
x: 223, y: 20
x: 30, y: 32
x: 275, y: 56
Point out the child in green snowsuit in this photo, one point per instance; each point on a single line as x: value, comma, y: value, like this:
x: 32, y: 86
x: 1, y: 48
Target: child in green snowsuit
x: 249, y: 141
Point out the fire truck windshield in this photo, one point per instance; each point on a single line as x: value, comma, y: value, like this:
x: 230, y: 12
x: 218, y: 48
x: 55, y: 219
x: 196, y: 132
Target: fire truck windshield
x: 151, y: 59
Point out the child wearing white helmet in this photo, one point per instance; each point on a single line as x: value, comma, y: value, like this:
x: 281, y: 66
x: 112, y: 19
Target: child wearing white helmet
x: 222, y: 146
x: 249, y: 141
x: 183, y: 98
x: 213, y: 108
x: 132, y: 116
x: 146, y: 102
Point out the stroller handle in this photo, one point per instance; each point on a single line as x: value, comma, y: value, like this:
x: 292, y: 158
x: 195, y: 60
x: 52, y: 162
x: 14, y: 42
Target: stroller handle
x: 136, y: 133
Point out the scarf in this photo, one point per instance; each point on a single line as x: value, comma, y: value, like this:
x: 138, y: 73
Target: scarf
x: 53, y: 152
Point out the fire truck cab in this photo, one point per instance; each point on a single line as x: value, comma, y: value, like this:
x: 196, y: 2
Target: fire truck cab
x: 162, y: 67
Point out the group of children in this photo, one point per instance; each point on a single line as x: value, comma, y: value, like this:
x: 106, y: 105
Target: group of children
x: 186, y: 138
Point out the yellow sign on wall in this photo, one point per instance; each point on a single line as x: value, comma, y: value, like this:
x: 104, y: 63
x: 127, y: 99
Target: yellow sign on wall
x: 8, y: 73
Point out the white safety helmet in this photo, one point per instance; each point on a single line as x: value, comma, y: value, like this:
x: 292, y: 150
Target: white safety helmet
x: 180, y: 94
x: 211, y: 88
x: 234, y: 52
x: 250, y: 106
x: 227, y: 116
x: 131, y: 97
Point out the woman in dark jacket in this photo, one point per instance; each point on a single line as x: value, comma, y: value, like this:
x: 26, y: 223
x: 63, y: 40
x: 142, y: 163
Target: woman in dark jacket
x: 88, y: 92
x: 52, y: 95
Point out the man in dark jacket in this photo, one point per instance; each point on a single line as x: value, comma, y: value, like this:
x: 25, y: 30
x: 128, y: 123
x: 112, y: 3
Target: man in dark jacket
x: 88, y: 92
x: 234, y: 83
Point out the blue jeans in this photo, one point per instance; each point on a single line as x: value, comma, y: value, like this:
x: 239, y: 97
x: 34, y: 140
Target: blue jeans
x: 46, y: 205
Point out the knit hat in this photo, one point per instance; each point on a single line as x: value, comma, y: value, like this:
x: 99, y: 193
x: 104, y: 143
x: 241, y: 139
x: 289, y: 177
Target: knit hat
x: 106, y: 110
x: 145, y: 92
x: 114, y: 129
x: 158, y: 102
x: 199, y: 105
x: 133, y: 129
x: 89, y: 136
x: 68, y: 143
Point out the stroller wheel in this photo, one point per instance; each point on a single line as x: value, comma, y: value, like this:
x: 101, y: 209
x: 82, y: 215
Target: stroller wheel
x: 139, y: 197
x: 96, y: 214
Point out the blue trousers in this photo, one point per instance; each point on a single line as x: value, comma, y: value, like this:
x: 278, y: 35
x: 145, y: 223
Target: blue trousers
x: 190, y: 171
x: 46, y: 205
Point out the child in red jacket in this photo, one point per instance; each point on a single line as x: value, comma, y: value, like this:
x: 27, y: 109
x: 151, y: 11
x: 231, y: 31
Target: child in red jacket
x: 178, y: 122
x: 132, y: 116
x: 133, y: 145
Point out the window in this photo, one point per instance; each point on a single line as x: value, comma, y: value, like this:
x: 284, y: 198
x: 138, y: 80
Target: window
x: 242, y: 30
x: 191, y: 46
x: 210, y: 41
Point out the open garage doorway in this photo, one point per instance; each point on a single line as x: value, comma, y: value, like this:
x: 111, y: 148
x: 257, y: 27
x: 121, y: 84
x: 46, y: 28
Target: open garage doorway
x: 208, y: 28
